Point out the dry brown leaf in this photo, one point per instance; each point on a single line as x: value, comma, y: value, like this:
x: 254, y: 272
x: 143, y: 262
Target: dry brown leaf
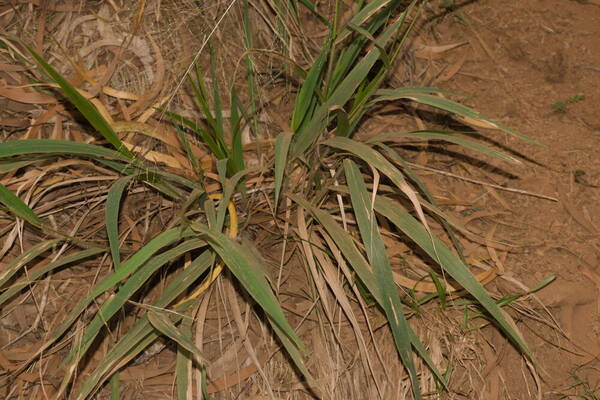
x: 146, y: 98
x: 25, y: 96
x: 429, y: 52
x: 13, y: 68
x: 164, y: 135
x: 49, y: 5
x: 452, y: 69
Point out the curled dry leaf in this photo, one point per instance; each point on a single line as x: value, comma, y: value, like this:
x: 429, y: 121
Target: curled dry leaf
x: 429, y: 52
x: 22, y: 95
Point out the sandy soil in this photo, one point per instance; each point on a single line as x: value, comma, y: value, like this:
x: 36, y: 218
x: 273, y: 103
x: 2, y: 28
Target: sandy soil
x: 535, y: 66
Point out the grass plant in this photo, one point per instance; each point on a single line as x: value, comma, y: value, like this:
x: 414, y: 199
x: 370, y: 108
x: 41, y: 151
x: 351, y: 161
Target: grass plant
x: 371, y: 180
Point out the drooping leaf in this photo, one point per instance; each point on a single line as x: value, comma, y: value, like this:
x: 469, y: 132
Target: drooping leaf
x: 282, y: 145
x: 111, y: 306
x: 249, y: 270
x: 164, y: 325
x: 448, y: 136
x: 16, y: 206
x: 85, y: 107
x: 34, y: 274
x: 113, y: 203
x: 442, y: 103
x: 127, y: 268
x: 21, y: 261
x: 57, y: 147
x: 142, y: 334
x: 438, y: 251
x: 344, y: 241
x: 376, y: 252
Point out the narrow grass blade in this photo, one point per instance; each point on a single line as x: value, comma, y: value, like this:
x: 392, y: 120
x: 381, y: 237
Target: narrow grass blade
x: 164, y: 325
x: 19, y: 262
x: 201, y: 98
x: 228, y: 189
x: 378, y: 161
x: 376, y: 252
x: 237, y: 149
x: 437, y: 250
x: 16, y: 206
x: 184, y: 357
x: 346, y: 245
x: 127, y: 268
x: 34, y: 274
x: 448, y: 136
x: 342, y: 93
x: 188, y: 149
x: 368, y: 155
x: 282, y: 146
x: 250, y: 72
x: 86, y: 108
x: 360, y: 17
x: 58, y: 147
x: 201, y: 133
x: 408, y: 90
x: 15, y: 165
x: 216, y: 97
x: 115, y: 387
x: 249, y: 270
x: 152, y: 176
x: 355, y: 259
x: 343, y: 122
x: 432, y: 206
x: 142, y: 333
x: 367, y: 35
x: 446, y: 105
x: 308, y: 90
x: 360, y: 104
x: 113, y: 203
x: 373, y: 22
x: 125, y: 292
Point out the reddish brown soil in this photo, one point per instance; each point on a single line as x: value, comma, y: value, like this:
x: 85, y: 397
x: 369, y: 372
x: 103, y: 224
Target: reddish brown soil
x: 521, y: 59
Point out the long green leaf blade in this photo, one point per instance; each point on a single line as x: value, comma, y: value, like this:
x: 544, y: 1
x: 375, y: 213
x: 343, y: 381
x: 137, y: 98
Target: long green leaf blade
x: 376, y: 252
x: 19, y: 262
x: 126, y: 291
x: 127, y: 268
x: 142, y: 333
x: 446, y: 105
x: 164, y: 325
x: 58, y: 147
x: 86, y: 108
x: 248, y: 269
x: 447, y: 136
x: 113, y: 203
x: 437, y: 250
x: 369, y: 155
x: 355, y: 259
x: 282, y: 146
x: 308, y: 90
x: 34, y: 274
x: 18, y: 207
x: 304, y: 138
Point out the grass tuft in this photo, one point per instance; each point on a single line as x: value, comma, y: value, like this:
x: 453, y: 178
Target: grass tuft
x: 320, y: 167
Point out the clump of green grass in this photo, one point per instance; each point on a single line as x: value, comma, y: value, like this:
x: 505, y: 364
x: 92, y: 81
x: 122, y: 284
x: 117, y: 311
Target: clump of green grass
x: 339, y: 90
